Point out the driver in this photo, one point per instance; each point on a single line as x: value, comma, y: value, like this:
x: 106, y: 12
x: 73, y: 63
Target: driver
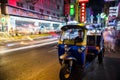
x: 79, y: 38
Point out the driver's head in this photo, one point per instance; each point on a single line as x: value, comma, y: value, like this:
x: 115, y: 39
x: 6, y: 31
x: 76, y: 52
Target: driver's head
x: 80, y: 33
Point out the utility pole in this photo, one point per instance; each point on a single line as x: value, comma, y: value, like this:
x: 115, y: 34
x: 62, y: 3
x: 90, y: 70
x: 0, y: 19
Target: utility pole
x: 77, y: 11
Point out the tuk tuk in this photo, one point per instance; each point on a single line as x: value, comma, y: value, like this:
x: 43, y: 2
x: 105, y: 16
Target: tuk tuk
x: 72, y: 52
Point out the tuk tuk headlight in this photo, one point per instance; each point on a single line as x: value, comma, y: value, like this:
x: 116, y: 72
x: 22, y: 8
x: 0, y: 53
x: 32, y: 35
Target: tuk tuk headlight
x: 79, y: 50
x: 66, y: 48
x: 63, y: 56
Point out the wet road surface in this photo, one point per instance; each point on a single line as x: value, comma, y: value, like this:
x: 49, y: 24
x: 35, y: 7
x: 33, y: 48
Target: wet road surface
x: 41, y: 63
x: 30, y: 64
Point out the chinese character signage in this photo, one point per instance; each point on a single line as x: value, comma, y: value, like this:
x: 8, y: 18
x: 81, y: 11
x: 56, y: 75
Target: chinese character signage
x: 83, y: 12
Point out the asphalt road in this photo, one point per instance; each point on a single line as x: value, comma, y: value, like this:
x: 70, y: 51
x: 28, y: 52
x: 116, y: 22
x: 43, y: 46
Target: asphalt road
x: 41, y: 63
x: 31, y: 64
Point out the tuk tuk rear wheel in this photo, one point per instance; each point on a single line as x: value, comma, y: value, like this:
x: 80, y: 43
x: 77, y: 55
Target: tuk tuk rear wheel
x: 65, y: 73
x: 100, y: 57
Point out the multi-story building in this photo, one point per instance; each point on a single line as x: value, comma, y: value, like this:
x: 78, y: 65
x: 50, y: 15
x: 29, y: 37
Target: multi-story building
x: 21, y: 14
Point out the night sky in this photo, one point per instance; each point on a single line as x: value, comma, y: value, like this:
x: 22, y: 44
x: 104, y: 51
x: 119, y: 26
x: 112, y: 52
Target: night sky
x: 96, y: 6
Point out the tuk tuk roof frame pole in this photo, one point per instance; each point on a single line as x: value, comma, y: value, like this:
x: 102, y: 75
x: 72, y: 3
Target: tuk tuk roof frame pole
x: 77, y: 11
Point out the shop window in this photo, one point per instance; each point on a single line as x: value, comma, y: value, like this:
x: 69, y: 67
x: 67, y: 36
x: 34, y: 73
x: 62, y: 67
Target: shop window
x: 66, y: 1
x: 54, y: 14
x: 56, y: 26
x: 32, y: 8
x: 48, y: 12
x: 3, y: 1
x: 19, y: 4
x: 58, y: 15
x: 58, y: 7
x: 41, y: 10
x: 44, y: 24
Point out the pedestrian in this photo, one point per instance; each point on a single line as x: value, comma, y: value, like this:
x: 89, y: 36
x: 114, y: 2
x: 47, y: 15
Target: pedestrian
x: 113, y: 39
x: 107, y: 39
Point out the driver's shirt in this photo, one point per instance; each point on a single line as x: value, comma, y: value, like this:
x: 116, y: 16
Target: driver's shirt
x: 78, y: 39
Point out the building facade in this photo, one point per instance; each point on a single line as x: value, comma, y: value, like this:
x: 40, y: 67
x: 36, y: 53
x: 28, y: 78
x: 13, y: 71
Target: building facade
x: 24, y: 14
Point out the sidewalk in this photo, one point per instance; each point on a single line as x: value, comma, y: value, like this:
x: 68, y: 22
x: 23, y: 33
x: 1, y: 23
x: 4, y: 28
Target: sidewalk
x: 5, y: 37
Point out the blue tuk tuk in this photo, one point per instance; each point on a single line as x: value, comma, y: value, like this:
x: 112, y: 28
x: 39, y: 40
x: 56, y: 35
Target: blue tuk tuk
x: 72, y: 52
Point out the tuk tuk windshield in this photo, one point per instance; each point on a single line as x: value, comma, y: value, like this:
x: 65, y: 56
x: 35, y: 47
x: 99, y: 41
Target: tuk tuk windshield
x: 71, y: 34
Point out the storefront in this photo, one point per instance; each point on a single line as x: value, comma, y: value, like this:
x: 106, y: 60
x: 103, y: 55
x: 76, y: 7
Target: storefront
x: 32, y: 26
x: 26, y: 22
x: 23, y: 25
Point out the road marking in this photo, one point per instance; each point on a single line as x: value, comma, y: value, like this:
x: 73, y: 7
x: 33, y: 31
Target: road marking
x: 26, y: 47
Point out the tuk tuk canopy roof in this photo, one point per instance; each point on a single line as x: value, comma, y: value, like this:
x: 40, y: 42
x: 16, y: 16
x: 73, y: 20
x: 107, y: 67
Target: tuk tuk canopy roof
x: 66, y: 27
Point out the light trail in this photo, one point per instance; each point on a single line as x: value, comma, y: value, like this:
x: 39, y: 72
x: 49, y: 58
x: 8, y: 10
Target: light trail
x: 26, y: 47
x: 31, y: 42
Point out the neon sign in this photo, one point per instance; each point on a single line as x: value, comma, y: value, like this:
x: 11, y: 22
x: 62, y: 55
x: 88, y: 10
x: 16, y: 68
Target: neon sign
x: 83, y: 1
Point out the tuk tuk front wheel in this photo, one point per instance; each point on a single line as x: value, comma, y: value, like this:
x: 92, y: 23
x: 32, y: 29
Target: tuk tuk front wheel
x: 65, y: 72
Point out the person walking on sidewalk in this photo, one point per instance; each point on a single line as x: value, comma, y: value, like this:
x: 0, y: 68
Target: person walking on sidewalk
x: 113, y: 39
x: 107, y: 39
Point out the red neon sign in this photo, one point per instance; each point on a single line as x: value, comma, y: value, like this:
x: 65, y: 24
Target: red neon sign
x: 83, y: 1
x: 83, y: 12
